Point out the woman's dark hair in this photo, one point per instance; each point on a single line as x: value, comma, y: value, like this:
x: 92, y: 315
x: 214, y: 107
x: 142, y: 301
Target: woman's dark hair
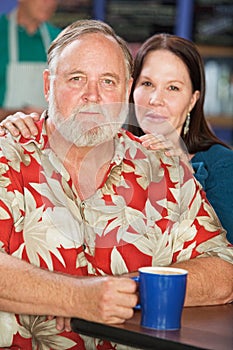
x: 199, y: 137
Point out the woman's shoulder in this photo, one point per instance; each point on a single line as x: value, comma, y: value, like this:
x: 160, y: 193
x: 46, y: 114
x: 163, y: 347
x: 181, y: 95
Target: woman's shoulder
x: 216, y: 153
x: 213, y: 164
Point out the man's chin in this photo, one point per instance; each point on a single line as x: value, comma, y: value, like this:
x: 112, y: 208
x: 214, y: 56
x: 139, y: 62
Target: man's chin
x: 94, y: 138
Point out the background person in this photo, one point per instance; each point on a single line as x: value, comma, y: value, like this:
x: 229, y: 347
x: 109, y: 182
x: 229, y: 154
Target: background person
x: 86, y: 198
x: 169, y: 79
x: 25, y: 38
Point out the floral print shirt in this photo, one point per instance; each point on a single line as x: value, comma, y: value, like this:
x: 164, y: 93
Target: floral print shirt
x: 149, y: 210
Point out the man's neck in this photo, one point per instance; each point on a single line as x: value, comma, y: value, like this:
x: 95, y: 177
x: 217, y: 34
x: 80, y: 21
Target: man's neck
x: 87, y: 166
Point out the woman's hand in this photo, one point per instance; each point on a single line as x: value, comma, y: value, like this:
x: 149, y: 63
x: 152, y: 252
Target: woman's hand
x: 20, y: 123
x: 160, y: 142
x: 157, y: 142
x: 171, y: 148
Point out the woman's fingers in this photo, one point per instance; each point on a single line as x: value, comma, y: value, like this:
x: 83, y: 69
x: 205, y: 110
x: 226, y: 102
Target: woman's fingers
x: 20, y: 123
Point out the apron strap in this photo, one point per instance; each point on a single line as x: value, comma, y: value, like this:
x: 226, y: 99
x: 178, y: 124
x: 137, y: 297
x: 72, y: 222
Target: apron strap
x: 13, y: 40
x: 45, y: 36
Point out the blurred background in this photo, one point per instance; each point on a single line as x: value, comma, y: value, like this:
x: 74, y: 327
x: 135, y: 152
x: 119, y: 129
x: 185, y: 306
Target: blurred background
x: 208, y: 23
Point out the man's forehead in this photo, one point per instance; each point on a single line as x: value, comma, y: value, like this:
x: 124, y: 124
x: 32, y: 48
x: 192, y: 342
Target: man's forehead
x: 94, y: 40
x: 90, y: 48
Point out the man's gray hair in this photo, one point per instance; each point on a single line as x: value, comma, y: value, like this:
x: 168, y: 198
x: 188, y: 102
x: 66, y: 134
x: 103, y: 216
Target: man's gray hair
x: 81, y: 27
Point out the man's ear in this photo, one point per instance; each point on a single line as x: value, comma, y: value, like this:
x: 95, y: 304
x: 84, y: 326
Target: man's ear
x: 46, y: 78
x: 130, y: 83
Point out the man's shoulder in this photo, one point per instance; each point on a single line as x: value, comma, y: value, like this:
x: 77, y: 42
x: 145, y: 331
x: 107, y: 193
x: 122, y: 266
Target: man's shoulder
x: 10, y: 144
x: 216, y: 155
x: 134, y: 150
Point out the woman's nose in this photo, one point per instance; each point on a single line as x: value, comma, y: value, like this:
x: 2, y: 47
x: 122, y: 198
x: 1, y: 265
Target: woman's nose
x: 156, y: 98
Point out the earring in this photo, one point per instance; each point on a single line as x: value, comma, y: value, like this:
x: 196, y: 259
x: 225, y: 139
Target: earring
x: 186, y: 126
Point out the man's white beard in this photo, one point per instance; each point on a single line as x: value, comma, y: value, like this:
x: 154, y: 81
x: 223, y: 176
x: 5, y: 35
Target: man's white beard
x: 91, y: 130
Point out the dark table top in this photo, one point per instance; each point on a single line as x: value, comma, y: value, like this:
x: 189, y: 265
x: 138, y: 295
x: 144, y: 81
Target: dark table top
x: 202, y: 328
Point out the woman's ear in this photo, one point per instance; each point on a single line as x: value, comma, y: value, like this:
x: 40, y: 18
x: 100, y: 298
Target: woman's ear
x: 46, y: 78
x: 194, y: 99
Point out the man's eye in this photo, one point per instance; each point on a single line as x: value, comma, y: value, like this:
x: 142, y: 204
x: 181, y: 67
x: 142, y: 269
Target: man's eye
x: 76, y: 78
x: 108, y: 81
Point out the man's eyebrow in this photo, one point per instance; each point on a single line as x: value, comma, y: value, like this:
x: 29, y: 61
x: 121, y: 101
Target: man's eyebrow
x: 75, y: 71
x: 112, y: 75
x: 105, y: 74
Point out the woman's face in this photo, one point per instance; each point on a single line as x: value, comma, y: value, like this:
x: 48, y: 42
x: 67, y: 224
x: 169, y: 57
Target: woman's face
x: 163, y: 92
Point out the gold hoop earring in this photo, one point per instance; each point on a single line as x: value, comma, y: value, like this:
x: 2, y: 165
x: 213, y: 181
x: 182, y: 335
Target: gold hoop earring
x: 186, y: 126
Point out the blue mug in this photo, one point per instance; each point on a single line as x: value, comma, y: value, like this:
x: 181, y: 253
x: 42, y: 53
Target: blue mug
x: 162, y: 293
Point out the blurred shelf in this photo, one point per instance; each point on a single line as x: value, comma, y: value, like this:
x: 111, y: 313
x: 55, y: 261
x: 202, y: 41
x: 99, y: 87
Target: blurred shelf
x: 221, y: 121
x: 216, y: 51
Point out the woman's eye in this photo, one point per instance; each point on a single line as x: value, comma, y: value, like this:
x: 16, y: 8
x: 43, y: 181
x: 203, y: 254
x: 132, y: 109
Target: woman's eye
x: 146, y: 83
x: 173, y: 88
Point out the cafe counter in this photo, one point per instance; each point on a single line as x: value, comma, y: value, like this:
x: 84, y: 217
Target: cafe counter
x: 202, y: 328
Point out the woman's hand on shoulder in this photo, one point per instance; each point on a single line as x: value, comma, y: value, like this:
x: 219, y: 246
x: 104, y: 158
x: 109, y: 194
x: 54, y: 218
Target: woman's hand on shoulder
x: 157, y: 142
x: 20, y: 123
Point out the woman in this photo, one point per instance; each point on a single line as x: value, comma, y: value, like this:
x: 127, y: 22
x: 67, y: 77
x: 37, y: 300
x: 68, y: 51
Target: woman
x: 169, y: 81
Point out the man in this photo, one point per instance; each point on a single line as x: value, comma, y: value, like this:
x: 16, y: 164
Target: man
x: 25, y: 38
x: 84, y: 198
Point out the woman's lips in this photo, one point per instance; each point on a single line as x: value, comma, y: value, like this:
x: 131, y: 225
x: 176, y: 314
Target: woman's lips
x: 156, y: 117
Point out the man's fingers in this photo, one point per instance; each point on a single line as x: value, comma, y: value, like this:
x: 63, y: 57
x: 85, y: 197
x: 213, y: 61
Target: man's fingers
x: 63, y: 323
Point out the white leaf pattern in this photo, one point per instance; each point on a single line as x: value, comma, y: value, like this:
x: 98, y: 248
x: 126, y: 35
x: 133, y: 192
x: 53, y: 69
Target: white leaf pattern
x: 118, y: 266
x: 49, y: 223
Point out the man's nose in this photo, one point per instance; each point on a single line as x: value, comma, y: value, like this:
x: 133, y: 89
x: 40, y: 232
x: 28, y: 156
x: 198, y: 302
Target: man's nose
x: 92, y: 92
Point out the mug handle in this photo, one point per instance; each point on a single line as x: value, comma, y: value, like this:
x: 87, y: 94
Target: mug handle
x: 137, y: 279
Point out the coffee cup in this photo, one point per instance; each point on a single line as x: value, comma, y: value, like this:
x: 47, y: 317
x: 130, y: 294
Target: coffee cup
x: 162, y: 293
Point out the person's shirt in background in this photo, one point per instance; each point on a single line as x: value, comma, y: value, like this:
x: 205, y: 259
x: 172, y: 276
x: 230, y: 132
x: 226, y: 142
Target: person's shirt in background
x: 30, y: 48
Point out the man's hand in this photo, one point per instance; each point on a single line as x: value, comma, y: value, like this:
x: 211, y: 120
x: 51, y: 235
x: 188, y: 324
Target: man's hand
x: 62, y: 323
x: 20, y: 123
x: 107, y: 299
